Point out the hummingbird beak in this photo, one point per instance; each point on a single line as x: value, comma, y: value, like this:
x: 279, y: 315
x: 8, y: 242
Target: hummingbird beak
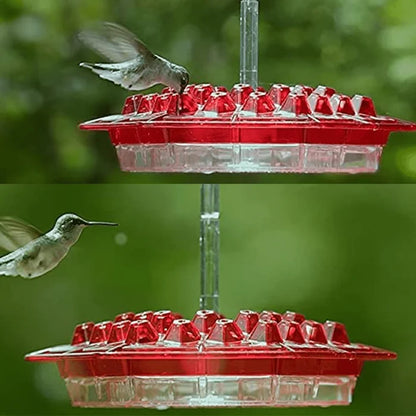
x: 106, y: 224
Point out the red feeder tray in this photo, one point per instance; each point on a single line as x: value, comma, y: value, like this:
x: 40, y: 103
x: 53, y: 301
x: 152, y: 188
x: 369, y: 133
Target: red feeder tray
x: 287, y: 129
x: 159, y: 360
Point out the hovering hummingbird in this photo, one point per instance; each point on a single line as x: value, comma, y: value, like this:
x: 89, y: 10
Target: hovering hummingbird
x: 34, y: 254
x: 134, y: 66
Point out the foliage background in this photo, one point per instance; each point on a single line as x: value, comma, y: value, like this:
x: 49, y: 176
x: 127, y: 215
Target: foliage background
x: 344, y: 253
x: 356, y: 46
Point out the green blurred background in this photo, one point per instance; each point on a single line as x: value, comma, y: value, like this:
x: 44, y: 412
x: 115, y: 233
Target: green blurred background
x: 355, y: 46
x: 344, y: 253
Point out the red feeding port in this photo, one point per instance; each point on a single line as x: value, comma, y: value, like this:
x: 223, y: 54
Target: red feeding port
x: 225, y: 331
x: 286, y: 129
x: 279, y: 93
x: 266, y: 359
x: 266, y: 331
x: 142, y: 332
x: 129, y: 316
x: 101, y: 333
x: 247, y: 320
x: 119, y: 332
x: 270, y: 315
x: 82, y: 333
x: 205, y: 320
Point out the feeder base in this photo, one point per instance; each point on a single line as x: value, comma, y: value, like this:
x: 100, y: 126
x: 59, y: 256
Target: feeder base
x: 249, y: 158
x: 185, y: 392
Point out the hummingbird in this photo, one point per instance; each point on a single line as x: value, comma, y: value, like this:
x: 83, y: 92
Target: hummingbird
x: 133, y: 66
x: 34, y: 254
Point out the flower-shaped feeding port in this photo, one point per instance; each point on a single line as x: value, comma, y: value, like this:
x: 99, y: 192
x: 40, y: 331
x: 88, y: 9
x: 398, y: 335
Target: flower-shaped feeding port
x: 286, y: 129
x: 159, y: 360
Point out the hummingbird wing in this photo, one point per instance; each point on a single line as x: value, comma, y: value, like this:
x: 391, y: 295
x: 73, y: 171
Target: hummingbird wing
x: 115, y: 43
x: 8, y: 264
x: 14, y: 263
x: 15, y: 233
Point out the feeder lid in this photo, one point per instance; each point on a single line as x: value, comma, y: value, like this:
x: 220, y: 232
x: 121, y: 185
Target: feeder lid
x: 279, y: 343
x: 286, y: 129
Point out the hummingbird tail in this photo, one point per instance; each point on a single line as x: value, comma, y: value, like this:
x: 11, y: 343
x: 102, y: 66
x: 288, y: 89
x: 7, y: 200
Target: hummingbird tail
x: 110, y: 72
x: 7, y: 267
x: 86, y: 65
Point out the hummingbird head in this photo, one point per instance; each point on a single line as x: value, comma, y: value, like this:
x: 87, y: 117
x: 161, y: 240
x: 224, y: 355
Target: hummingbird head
x: 71, y: 225
x: 180, y: 79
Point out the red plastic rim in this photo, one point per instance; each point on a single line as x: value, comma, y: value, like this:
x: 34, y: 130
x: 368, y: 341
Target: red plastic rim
x: 162, y: 343
x: 208, y: 114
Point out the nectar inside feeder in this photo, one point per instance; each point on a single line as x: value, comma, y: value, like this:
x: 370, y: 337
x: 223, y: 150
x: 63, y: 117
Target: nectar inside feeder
x: 286, y: 129
x: 159, y: 360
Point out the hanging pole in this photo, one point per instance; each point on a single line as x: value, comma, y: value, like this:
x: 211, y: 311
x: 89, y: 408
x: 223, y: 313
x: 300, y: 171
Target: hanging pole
x: 249, y: 24
x: 210, y: 247
x: 210, y: 194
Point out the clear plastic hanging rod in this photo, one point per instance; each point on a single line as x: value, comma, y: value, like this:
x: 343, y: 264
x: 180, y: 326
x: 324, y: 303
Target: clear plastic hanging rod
x: 210, y: 247
x: 210, y: 194
x: 249, y: 42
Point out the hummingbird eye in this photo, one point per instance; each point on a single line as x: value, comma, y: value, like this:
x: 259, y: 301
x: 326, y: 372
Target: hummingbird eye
x: 71, y: 223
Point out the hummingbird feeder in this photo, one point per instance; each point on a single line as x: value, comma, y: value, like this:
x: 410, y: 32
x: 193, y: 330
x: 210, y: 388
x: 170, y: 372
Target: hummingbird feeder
x: 160, y: 360
x: 287, y: 129
x: 208, y: 129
